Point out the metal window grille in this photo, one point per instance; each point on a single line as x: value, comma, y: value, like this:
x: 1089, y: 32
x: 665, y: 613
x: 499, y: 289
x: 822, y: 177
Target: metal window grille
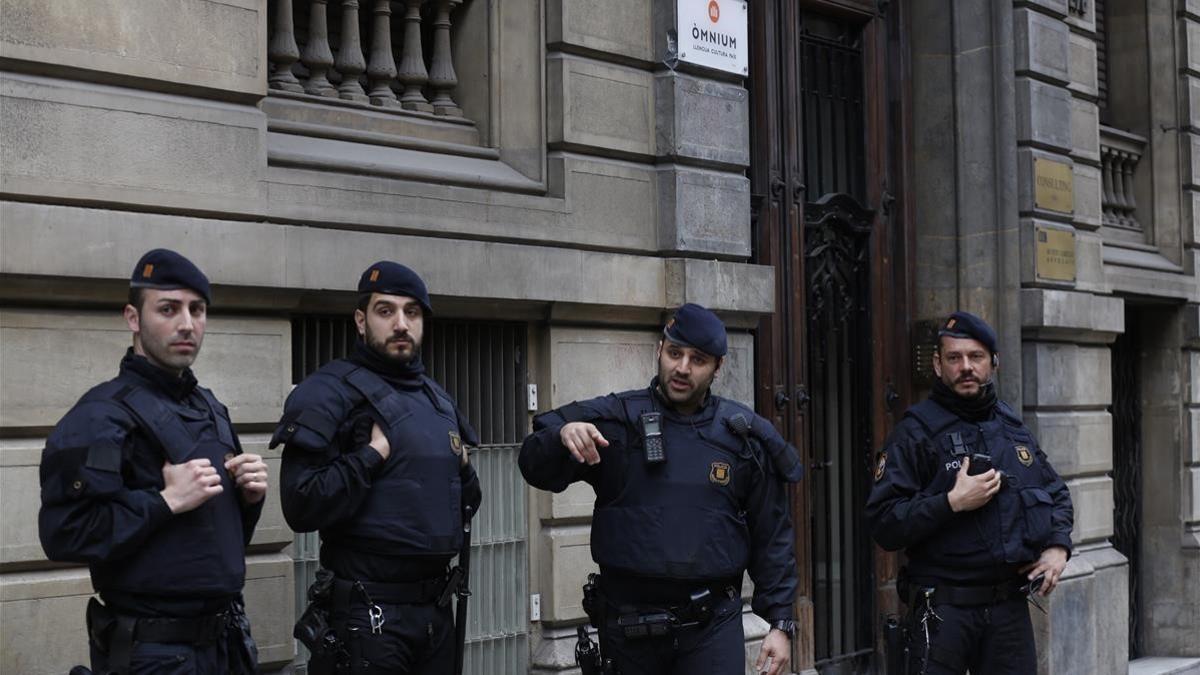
x: 481, y: 365
x: 837, y: 232
x: 831, y: 97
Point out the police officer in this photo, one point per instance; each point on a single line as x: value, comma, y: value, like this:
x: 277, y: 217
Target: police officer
x: 376, y: 459
x: 674, y: 531
x: 963, y: 488
x: 145, y: 480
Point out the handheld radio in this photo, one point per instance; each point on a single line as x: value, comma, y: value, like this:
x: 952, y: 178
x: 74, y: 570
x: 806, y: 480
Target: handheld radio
x: 652, y: 438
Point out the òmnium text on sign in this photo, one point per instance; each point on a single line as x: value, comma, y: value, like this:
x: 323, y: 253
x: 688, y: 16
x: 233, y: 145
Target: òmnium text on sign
x: 713, y: 33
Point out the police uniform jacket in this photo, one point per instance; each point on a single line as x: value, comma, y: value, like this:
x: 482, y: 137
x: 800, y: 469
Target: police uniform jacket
x: 909, y: 506
x: 398, y: 519
x: 716, y: 507
x: 101, y: 475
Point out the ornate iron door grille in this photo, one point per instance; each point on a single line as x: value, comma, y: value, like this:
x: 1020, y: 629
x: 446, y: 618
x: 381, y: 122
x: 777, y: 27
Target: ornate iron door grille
x: 837, y: 234
x: 1127, y: 467
x: 481, y: 364
x: 831, y: 102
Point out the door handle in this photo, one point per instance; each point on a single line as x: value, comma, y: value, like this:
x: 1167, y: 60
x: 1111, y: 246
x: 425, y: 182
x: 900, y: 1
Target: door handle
x: 781, y: 399
x: 802, y: 397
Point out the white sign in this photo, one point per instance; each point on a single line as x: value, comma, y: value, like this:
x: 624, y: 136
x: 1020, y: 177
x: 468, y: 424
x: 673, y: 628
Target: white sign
x: 713, y: 33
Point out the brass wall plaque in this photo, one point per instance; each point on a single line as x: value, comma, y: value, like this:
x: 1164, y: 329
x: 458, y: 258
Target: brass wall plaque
x: 1055, y: 253
x: 1054, y: 185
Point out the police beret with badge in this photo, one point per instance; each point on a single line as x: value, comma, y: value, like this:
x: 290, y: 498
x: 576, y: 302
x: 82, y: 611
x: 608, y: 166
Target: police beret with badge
x: 697, y: 327
x: 392, y: 278
x: 165, y: 270
x: 966, y: 325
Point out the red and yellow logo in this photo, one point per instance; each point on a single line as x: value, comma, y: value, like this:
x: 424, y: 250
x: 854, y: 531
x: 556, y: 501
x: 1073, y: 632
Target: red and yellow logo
x: 374, y: 275
x: 1024, y: 455
x: 718, y: 473
x: 148, y: 271
x: 714, y: 11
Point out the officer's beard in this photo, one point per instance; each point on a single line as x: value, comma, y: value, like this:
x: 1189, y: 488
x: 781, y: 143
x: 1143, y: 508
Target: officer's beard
x: 373, y: 354
x: 974, y: 409
x: 380, y: 347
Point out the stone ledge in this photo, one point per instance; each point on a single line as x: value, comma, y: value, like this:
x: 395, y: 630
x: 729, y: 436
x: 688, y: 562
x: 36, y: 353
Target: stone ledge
x: 703, y: 212
x: 245, y: 361
x: 1076, y: 442
x: 1076, y: 317
x: 1082, y: 67
x: 1147, y: 273
x: 1164, y: 665
x: 702, y: 121
x: 1066, y: 376
x: 622, y: 28
x: 1043, y: 114
x: 342, y: 156
x: 42, y: 241
x: 102, y: 144
x: 144, y: 41
x: 1041, y: 46
x: 600, y: 106
x: 721, y: 286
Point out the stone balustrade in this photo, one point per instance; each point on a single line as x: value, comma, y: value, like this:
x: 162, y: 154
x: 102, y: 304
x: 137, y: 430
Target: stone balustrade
x: 317, y: 49
x: 1120, y: 152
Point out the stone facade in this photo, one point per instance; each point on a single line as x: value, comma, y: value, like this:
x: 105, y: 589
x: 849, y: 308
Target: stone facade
x: 582, y: 185
x: 1125, y: 258
x: 571, y: 183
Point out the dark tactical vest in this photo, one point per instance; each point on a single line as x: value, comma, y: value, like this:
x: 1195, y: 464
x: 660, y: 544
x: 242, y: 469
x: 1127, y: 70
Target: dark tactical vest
x: 1015, y: 525
x: 200, y: 552
x: 415, y: 501
x: 683, y: 518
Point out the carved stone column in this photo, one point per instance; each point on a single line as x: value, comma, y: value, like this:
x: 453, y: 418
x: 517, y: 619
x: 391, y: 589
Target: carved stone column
x: 282, y: 50
x: 317, y: 56
x: 442, y: 78
x: 382, y: 69
x: 412, y: 64
x: 350, y: 61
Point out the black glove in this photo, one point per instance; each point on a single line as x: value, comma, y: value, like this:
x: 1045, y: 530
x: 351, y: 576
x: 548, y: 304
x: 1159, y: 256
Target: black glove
x: 360, y: 429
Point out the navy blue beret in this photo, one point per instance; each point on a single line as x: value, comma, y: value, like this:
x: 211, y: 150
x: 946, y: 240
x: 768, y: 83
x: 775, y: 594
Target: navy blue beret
x: 394, y: 279
x: 165, y: 270
x: 695, y: 326
x: 967, y: 325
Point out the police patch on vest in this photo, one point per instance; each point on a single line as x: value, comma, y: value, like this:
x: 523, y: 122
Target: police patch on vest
x: 879, y: 467
x: 455, y: 443
x: 1024, y: 455
x: 718, y: 473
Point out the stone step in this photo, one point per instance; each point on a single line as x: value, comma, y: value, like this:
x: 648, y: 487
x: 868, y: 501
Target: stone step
x: 1165, y: 665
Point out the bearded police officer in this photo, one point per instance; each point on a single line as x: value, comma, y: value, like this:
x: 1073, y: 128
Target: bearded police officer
x: 145, y: 480
x: 376, y: 459
x: 964, y: 489
x: 690, y: 493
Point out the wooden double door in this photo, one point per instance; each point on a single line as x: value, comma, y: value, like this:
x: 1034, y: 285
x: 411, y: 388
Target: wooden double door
x: 828, y: 167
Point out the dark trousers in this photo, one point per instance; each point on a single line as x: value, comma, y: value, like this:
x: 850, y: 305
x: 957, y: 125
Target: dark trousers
x: 414, y: 639
x: 716, y: 648
x: 154, y: 658
x: 994, y: 639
